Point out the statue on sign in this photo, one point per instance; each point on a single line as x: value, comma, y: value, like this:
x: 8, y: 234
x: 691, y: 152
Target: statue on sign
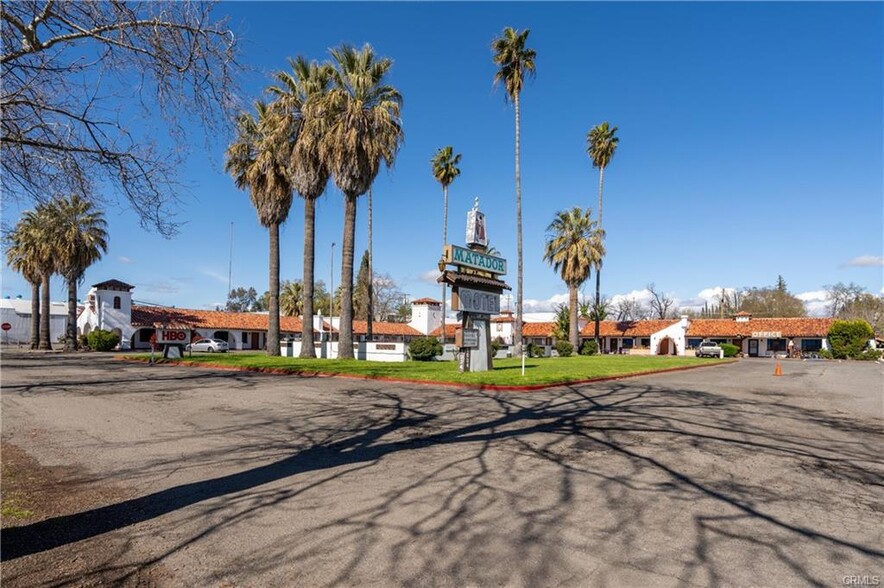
x: 476, y: 234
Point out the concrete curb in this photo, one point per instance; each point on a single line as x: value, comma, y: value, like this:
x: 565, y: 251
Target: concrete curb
x: 492, y: 387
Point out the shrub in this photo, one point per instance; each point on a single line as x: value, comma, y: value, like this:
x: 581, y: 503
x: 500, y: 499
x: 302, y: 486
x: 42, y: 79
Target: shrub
x: 825, y: 354
x: 535, y: 350
x: 100, y: 340
x: 496, y: 344
x: 84, y: 341
x: 729, y: 350
x: 564, y: 348
x: 848, y: 339
x: 870, y: 355
x: 424, y: 348
x: 589, y: 347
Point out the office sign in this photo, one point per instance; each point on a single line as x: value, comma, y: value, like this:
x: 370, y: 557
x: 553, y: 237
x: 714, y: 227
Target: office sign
x: 481, y: 261
x: 767, y: 335
x: 479, y: 301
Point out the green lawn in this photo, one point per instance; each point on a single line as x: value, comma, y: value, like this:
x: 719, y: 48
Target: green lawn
x: 506, y: 372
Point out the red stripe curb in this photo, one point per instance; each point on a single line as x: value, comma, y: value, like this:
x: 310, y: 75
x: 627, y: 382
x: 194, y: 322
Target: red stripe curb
x: 493, y: 387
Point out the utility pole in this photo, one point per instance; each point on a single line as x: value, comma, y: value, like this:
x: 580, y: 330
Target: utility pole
x: 230, y: 264
x: 331, y: 292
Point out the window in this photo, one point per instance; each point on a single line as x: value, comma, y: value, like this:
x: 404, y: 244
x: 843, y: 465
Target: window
x: 694, y: 343
x: 646, y: 342
x: 811, y: 344
x: 626, y: 343
x: 245, y: 337
x: 776, y: 344
x: 116, y: 302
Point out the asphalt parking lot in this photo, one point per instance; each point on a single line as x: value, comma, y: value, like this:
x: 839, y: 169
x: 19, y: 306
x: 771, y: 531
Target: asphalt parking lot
x: 722, y: 476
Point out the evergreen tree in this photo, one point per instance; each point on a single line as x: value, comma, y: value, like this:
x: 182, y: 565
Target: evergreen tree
x: 360, y: 290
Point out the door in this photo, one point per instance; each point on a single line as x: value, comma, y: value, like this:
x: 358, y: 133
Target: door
x: 753, y: 347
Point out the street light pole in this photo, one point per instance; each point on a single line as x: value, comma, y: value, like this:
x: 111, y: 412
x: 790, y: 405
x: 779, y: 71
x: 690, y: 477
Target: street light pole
x: 331, y: 292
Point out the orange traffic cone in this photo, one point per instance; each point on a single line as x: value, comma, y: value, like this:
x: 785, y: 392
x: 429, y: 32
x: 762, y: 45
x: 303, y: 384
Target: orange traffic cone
x: 778, y: 371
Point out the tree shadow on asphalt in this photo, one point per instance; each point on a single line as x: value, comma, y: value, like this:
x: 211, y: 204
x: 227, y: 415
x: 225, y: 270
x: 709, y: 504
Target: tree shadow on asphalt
x: 595, y: 470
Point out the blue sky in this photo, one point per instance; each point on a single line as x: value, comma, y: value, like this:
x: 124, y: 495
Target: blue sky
x: 750, y: 146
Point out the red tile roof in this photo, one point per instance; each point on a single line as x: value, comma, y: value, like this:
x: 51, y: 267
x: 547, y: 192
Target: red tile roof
x: 113, y: 285
x: 449, y: 330
x: 379, y: 328
x: 188, y: 318
x: 426, y: 301
x: 627, y: 328
x: 789, y: 327
x: 538, y: 329
x: 503, y: 319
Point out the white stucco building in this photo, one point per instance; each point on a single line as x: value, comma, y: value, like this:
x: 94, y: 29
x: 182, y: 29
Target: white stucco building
x: 17, y: 312
x: 426, y: 315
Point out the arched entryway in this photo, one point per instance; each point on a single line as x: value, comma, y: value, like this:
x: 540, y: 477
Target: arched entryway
x: 141, y: 338
x: 666, y: 347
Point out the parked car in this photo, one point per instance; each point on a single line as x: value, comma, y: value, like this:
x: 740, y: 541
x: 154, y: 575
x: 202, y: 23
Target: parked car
x: 709, y: 349
x: 208, y: 345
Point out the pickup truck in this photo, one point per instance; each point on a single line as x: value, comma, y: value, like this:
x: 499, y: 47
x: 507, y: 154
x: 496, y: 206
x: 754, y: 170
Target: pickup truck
x: 709, y: 349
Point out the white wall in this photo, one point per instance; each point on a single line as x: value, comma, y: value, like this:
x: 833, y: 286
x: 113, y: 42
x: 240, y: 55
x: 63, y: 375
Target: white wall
x: 676, y: 332
x: 374, y: 351
x: 425, y: 318
x: 105, y: 316
x: 18, y: 314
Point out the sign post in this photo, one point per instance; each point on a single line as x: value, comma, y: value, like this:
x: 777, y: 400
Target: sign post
x: 6, y: 327
x: 173, y: 342
x: 475, y: 292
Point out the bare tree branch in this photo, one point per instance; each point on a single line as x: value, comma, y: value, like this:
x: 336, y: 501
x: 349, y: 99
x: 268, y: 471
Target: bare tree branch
x: 68, y: 70
x: 662, y: 306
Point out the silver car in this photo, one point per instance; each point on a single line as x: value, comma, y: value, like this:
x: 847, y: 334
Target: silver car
x: 209, y: 346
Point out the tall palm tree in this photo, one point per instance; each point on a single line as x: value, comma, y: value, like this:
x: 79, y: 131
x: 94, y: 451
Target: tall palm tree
x: 79, y: 236
x: 39, y: 248
x: 257, y: 161
x: 291, y: 300
x: 601, y: 144
x: 515, y: 61
x: 23, y: 255
x: 361, y: 127
x: 445, y: 171
x: 305, y: 86
x: 573, y: 248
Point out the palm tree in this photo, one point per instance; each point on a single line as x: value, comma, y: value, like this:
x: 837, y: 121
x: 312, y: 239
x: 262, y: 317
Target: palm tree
x: 361, y: 127
x: 292, y: 301
x: 601, y: 145
x: 257, y: 161
x: 515, y: 61
x: 79, y: 237
x: 23, y: 254
x: 38, y: 247
x: 300, y: 90
x: 445, y: 171
x: 573, y: 247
